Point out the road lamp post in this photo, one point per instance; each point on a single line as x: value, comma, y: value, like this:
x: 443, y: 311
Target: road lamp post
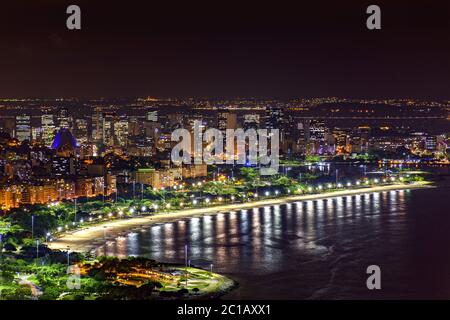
x: 37, y: 251
x: 32, y: 227
x: 75, y: 204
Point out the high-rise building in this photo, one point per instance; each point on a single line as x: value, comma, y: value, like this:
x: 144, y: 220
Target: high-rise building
x: 23, y: 127
x: 121, y: 132
x: 81, y: 130
x: 274, y: 117
x: 63, y: 119
x: 48, y: 129
x: 63, y: 166
x: 108, y: 129
x: 97, y: 125
x: 152, y: 115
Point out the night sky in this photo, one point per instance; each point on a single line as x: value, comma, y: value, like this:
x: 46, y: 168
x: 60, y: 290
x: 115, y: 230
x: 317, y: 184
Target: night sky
x: 225, y: 49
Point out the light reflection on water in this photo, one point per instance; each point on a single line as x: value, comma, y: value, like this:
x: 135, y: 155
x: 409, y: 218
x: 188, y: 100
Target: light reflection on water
x: 308, y: 249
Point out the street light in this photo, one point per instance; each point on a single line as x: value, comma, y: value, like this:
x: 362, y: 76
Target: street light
x: 68, y: 256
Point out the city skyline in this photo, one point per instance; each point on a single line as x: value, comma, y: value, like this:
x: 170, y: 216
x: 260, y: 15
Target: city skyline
x: 226, y: 151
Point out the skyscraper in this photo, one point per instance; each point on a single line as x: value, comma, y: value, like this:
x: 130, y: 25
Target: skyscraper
x: 274, y: 117
x: 48, y: 129
x: 81, y: 130
x: 23, y: 127
x: 64, y: 120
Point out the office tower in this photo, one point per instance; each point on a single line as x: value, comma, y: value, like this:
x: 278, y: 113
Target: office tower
x: 81, y: 130
x: 121, y: 131
x: 108, y: 129
x: 63, y: 166
x: 274, y: 117
x: 97, y: 126
x: 48, y: 129
x: 152, y: 115
x: 36, y: 134
x: 23, y: 127
x: 63, y: 119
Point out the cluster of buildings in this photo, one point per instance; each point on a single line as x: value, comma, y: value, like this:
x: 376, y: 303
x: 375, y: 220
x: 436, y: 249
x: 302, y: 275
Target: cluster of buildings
x: 70, y: 149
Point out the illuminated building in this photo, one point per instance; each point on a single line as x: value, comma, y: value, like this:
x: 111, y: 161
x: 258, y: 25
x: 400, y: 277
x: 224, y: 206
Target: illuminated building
x: 64, y: 143
x: 81, y: 131
x: 121, y: 132
x: 63, y: 119
x: 48, y: 129
x: 23, y: 127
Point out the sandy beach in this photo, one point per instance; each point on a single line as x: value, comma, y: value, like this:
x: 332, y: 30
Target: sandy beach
x: 89, y: 238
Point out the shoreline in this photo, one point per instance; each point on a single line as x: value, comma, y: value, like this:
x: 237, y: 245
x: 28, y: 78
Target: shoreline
x: 91, y: 237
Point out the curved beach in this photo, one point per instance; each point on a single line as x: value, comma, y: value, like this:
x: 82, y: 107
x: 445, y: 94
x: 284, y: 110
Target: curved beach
x: 89, y: 238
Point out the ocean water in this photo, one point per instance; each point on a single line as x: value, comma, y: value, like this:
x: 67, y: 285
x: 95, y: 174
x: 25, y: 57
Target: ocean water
x: 315, y: 249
